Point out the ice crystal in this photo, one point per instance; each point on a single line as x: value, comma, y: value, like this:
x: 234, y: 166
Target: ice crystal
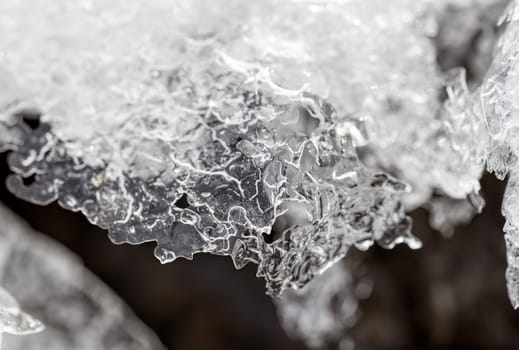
x: 354, y: 53
x: 500, y: 100
x: 233, y: 201
x: 232, y: 127
x: 200, y: 137
x: 219, y: 120
x: 79, y: 312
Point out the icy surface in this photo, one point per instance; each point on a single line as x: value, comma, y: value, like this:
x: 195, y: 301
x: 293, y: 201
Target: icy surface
x: 78, y: 311
x: 499, y: 96
x: 500, y: 99
x: 220, y: 119
x: 467, y: 34
x: 200, y: 136
x: 96, y: 88
x: 232, y: 127
x: 322, y: 311
x: 232, y: 202
x: 13, y: 320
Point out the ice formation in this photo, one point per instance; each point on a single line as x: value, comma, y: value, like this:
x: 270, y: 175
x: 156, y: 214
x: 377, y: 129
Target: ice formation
x: 322, y: 311
x: 13, y: 320
x: 199, y: 137
x: 232, y: 127
x: 447, y: 213
x: 78, y: 311
x: 353, y: 53
x: 500, y: 100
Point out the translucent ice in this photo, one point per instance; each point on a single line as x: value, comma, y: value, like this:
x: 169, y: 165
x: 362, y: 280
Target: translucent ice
x: 500, y: 99
x: 232, y: 127
x: 199, y: 134
x: 499, y: 96
x: 203, y: 124
x: 96, y: 88
x: 322, y: 311
x: 13, y: 320
x: 79, y: 312
x: 447, y: 213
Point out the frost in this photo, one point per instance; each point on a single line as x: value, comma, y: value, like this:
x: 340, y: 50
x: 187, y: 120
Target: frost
x: 78, y: 311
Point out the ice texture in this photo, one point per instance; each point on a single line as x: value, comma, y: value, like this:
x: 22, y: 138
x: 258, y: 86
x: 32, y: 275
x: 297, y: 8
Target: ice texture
x: 208, y: 124
x: 322, y: 312
x: 232, y: 127
x: 13, y: 320
x: 202, y: 125
x: 78, y: 310
x: 500, y: 100
x: 232, y: 202
x: 373, y: 60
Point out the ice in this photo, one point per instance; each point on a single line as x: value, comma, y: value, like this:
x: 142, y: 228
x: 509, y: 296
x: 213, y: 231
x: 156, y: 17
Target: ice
x: 322, y: 311
x: 277, y: 133
x: 200, y: 136
x: 500, y: 100
x: 447, y: 213
x: 96, y: 89
x: 233, y: 197
x: 13, y: 320
x: 203, y: 124
x: 467, y: 34
x: 499, y: 96
x: 78, y: 310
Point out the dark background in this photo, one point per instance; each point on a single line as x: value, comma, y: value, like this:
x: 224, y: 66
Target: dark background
x: 449, y: 295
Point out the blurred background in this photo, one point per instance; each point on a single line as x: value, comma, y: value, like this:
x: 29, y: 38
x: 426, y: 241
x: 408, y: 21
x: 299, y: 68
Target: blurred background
x: 451, y: 294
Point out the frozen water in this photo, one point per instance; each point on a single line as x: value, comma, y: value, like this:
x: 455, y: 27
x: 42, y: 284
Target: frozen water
x: 232, y: 127
x: 233, y: 195
x: 500, y: 99
x: 98, y: 89
x: 13, y: 320
x: 200, y: 136
x: 322, y: 311
x: 203, y: 125
x: 78, y: 311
